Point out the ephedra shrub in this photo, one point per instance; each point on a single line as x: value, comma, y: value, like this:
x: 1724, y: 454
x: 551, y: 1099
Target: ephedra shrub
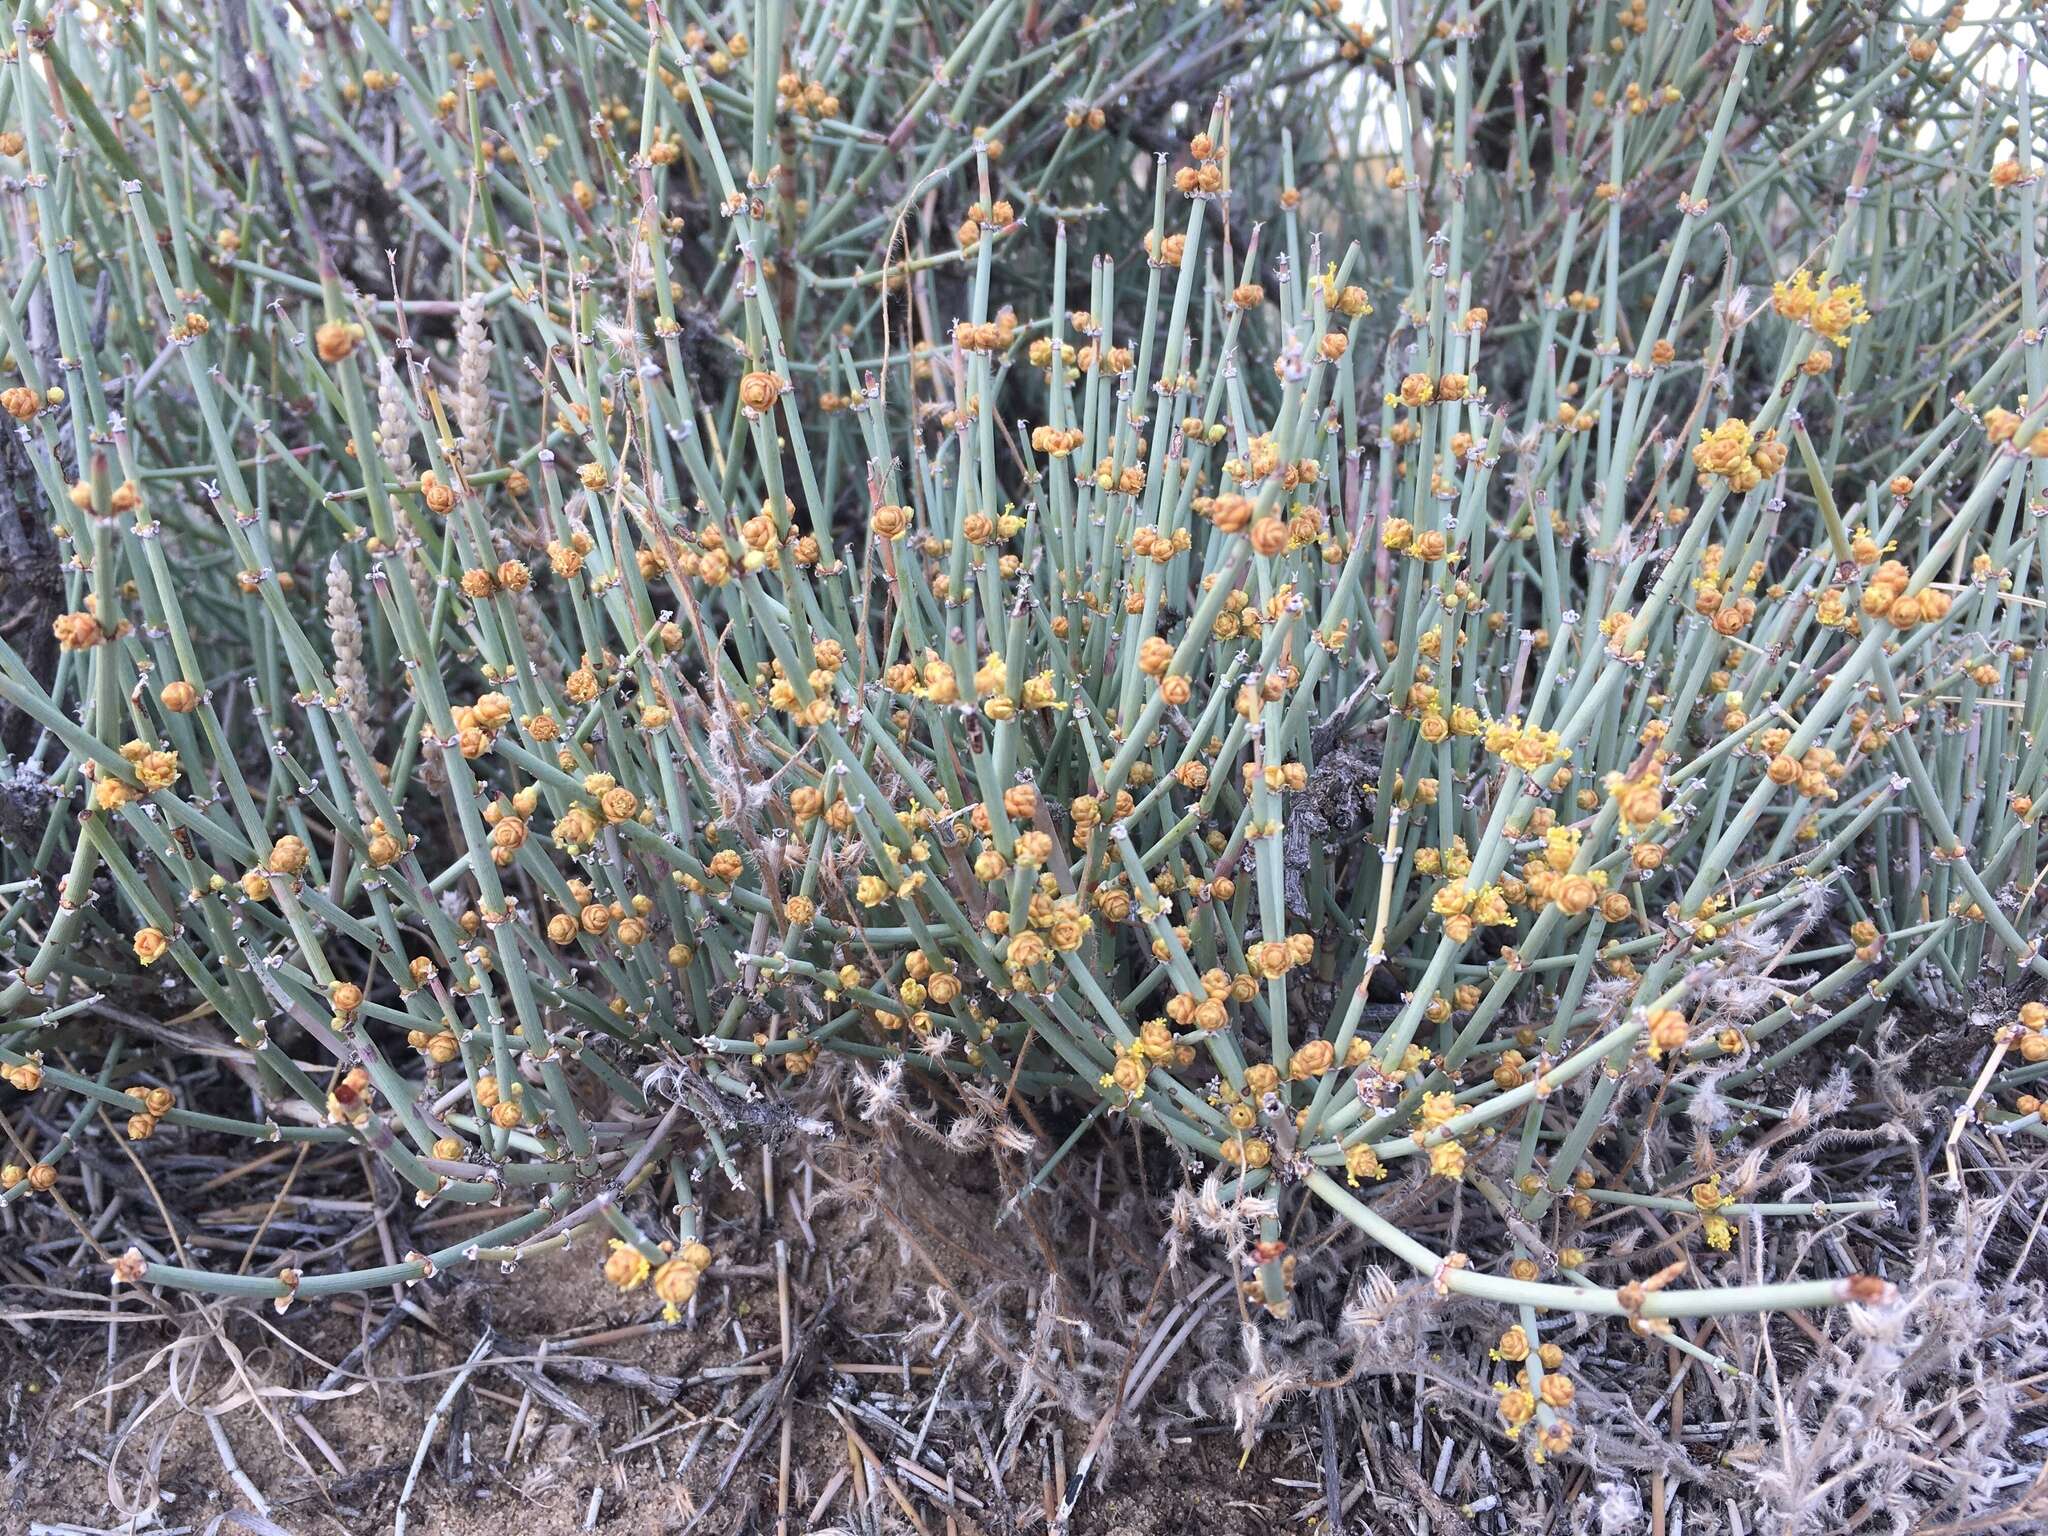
x: 1384, y: 599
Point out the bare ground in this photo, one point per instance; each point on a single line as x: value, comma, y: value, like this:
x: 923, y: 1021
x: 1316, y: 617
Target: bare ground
x: 584, y: 1412
x: 880, y: 1354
